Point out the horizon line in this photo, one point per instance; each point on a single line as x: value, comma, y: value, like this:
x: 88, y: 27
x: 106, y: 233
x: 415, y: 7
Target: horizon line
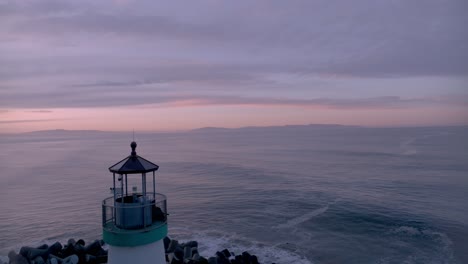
x: 228, y: 128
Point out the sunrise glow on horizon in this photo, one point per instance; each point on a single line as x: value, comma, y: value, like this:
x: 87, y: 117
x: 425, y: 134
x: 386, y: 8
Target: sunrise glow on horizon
x: 187, y: 118
x: 153, y: 66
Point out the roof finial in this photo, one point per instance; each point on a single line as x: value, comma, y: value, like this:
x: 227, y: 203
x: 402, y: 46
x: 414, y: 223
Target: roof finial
x: 133, y: 145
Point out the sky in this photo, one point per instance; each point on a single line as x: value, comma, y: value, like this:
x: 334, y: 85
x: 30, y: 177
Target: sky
x: 179, y: 65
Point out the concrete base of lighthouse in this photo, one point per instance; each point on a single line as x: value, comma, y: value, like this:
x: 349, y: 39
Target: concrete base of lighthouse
x: 146, y: 254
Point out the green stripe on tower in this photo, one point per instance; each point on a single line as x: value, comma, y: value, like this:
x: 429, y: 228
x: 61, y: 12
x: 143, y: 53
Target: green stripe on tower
x: 133, y: 238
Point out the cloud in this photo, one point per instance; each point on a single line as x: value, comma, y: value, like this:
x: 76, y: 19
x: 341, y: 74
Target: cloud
x: 143, y: 96
x: 64, y: 54
x: 41, y: 111
x: 175, y: 73
x: 26, y: 121
x: 361, y: 103
x: 365, y: 38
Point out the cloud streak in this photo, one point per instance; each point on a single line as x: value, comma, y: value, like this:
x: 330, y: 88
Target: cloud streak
x: 384, y: 102
x: 328, y: 54
x: 27, y: 121
x: 41, y: 111
x: 145, y: 98
x: 369, y: 38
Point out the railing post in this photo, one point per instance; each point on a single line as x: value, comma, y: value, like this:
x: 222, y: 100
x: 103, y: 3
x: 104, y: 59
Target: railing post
x: 103, y: 214
x: 143, y: 206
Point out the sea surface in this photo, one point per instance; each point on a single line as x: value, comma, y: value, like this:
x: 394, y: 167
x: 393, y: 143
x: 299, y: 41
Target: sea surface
x: 296, y: 194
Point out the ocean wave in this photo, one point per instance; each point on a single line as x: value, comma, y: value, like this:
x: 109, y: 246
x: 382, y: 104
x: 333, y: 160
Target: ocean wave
x: 211, y: 242
x: 407, y: 147
x: 303, y: 218
x: 438, y: 247
x: 410, y: 230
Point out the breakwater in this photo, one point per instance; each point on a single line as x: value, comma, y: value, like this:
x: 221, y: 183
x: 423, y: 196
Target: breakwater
x: 180, y: 253
x: 74, y: 252
x: 78, y: 252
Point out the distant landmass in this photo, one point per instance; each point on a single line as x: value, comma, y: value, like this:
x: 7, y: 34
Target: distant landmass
x: 260, y: 128
x: 64, y: 132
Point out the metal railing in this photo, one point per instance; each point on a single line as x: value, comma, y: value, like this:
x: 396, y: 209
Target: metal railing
x: 134, y: 212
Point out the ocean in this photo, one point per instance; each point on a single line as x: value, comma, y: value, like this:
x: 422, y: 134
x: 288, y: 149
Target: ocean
x: 294, y: 194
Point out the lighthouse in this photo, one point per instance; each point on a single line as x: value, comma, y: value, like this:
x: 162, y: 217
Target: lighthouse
x: 134, y: 219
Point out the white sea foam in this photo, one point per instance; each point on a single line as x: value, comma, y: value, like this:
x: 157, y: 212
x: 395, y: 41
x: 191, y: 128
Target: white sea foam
x: 408, y: 145
x: 303, y: 218
x: 385, y: 260
x: 440, y: 237
x: 407, y: 230
x: 407, y: 148
x: 209, y: 244
x: 445, y: 245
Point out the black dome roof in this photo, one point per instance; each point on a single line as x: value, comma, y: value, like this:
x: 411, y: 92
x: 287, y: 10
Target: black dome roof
x: 133, y: 164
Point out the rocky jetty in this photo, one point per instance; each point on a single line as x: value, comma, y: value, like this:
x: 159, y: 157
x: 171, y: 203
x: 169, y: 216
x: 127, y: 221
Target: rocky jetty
x: 74, y: 252
x: 77, y: 252
x: 187, y: 253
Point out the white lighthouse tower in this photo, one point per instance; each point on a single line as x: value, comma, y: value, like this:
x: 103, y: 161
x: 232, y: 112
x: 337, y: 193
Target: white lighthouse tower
x: 134, y: 223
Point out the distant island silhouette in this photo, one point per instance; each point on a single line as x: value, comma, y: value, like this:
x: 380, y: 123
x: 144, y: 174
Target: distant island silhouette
x: 222, y: 129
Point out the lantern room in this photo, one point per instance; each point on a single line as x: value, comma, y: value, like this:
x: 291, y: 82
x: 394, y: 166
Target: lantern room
x: 135, y: 214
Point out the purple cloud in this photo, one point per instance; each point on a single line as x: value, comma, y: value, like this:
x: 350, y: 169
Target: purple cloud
x: 27, y: 121
x: 100, y: 54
